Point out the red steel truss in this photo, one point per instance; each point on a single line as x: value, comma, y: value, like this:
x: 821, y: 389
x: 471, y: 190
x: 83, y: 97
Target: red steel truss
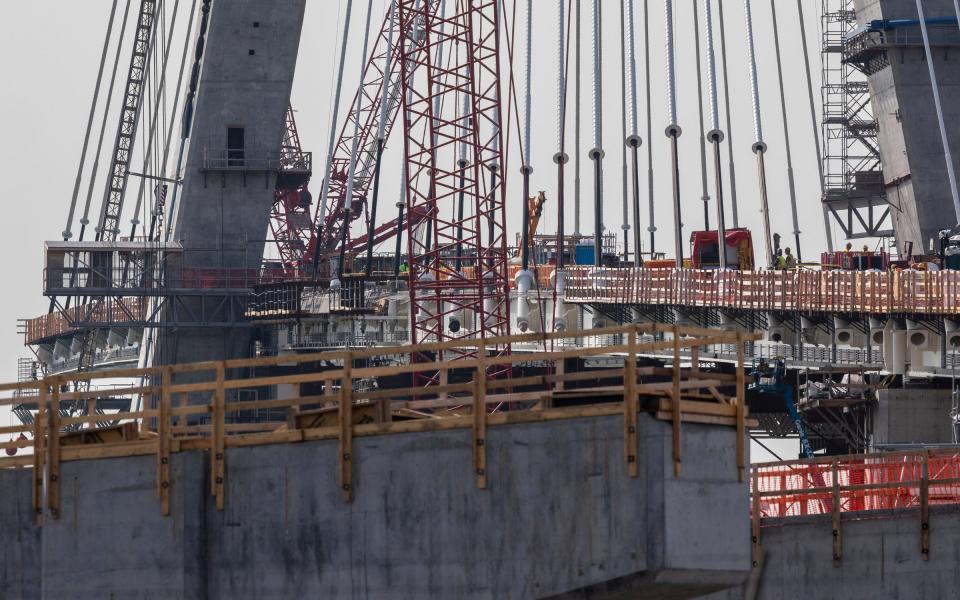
x: 458, y: 272
x: 367, y: 113
x: 290, y: 221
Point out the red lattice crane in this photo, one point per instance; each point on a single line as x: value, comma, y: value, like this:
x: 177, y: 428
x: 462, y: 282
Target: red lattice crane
x: 291, y: 223
x: 454, y: 167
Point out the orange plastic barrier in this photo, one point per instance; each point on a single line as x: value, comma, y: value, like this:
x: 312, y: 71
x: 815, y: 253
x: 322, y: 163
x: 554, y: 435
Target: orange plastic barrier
x: 868, y: 292
x: 866, y: 482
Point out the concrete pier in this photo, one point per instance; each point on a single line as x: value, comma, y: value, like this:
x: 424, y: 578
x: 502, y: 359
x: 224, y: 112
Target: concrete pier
x: 560, y: 517
x: 881, y: 558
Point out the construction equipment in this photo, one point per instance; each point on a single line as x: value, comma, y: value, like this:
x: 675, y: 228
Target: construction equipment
x: 769, y: 378
x: 705, y: 254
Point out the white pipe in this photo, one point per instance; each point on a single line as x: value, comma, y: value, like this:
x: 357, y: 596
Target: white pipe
x: 936, y: 101
x: 899, y: 343
x: 524, y: 282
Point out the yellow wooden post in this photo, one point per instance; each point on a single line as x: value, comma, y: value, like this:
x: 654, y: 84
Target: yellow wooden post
x: 676, y: 400
x: 741, y: 408
x: 630, y: 446
x: 480, y: 417
x: 925, y: 506
x: 53, y: 435
x: 219, y: 446
x: 756, y: 550
x: 39, y: 450
x: 163, y: 443
x: 835, y: 513
x: 346, y: 429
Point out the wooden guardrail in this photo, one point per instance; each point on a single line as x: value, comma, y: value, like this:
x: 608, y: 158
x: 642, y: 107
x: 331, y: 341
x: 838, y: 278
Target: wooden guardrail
x: 865, y: 292
x: 198, y: 406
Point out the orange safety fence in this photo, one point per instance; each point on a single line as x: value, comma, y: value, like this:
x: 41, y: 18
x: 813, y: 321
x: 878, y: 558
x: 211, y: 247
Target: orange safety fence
x: 857, y: 483
x: 869, y: 292
x: 60, y: 322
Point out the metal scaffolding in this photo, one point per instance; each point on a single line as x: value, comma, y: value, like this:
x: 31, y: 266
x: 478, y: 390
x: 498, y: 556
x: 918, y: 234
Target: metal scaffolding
x: 853, y: 188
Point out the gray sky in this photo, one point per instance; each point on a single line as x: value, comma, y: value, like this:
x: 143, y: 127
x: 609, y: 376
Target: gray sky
x: 49, y: 80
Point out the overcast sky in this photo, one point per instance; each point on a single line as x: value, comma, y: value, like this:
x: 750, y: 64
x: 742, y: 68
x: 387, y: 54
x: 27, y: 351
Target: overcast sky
x: 49, y: 79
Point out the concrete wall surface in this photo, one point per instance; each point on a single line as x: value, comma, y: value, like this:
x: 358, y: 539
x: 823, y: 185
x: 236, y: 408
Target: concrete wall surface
x: 19, y: 538
x: 881, y: 558
x: 912, y: 416
x: 560, y: 518
x: 901, y: 94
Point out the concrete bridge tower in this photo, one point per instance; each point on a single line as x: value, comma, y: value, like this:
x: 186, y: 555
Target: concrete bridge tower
x: 914, y: 170
x: 231, y: 168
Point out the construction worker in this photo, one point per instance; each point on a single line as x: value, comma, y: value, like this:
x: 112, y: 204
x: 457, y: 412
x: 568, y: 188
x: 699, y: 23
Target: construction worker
x: 780, y: 262
x: 790, y: 261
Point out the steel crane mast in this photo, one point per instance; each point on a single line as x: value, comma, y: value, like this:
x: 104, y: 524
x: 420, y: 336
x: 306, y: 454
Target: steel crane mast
x: 458, y: 263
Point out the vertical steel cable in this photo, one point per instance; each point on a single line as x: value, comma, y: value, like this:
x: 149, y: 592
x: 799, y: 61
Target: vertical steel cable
x: 633, y: 141
x: 526, y: 169
x: 759, y: 147
x: 186, y: 121
x: 786, y: 130
x: 352, y: 171
x: 334, y: 121
x: 726, y: 105
x: 715, y: 136
x: 576, y: 132
x: 561, y: 158
x: 381, y: 125
x: 596, y: 154
x: 705, y: 195
x: 951, y: 174
x: 625, y: 226
x: 673, y: 132
x: 158, y: 108
x: 652, y: 228
x: 67, y: 232
x: 85, y: 219
x: 188, y: 37
x: 813, y: 120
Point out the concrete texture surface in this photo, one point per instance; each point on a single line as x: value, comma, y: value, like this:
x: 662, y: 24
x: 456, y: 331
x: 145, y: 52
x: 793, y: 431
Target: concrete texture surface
x: 914, y: 169
x: 912, y: 416
x: 560, y: 518
x: 222, y: 218
x: 881, y: 558
x: 19, y: 538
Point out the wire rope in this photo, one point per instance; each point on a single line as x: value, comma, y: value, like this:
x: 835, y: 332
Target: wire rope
x: 791, y: 183
x: 759, y: 146
x: 731, y: 166
x: 68, y: 231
